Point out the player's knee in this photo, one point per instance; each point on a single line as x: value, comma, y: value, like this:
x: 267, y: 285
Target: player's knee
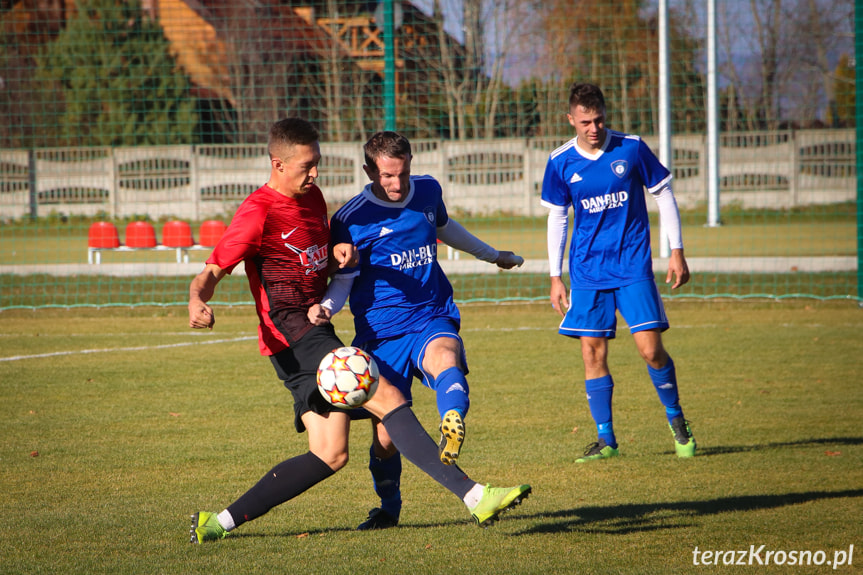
x: 386, y: 398
x: 655, y: 356
x: 595, y: 358
x: 335, y: 460
x: 382, y: 445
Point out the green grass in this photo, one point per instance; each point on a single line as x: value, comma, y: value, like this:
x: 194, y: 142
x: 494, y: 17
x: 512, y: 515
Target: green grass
x: 43, y: 290
x: 138, y: 421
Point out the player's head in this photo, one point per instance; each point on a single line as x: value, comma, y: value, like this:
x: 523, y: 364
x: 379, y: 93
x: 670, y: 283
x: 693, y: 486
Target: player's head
x: 294, y: 156
x: 587, y: 115
x: 388, y: 165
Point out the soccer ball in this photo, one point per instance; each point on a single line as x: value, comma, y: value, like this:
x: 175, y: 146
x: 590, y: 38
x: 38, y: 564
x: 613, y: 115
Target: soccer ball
x: 348, y: 377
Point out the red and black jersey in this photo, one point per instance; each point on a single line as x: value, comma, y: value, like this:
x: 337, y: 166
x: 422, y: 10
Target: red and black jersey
x: 284, y: 243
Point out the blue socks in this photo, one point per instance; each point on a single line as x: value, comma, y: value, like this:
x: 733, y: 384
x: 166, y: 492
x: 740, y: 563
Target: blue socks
x: 452, y: 391
x: 665, y: 381
x: 386, y: 475
x: 599, y: 392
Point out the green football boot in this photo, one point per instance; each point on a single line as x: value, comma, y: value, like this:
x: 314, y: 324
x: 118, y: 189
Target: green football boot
x: 684, y: 443
x: 496, y: 500
x: 206, y: 527
x: 598, y: 450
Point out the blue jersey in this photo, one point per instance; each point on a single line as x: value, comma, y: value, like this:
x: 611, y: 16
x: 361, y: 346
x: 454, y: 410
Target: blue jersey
x: 398, y: 285
x: 610, y: 244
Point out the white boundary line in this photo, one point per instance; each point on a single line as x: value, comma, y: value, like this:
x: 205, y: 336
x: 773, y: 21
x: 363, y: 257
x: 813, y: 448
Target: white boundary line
x: 247, y: 338
x: 139, y: 348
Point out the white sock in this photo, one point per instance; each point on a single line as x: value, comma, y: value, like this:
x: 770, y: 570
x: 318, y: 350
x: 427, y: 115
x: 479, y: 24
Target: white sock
x: 225, y: 520
x: 474, y: 495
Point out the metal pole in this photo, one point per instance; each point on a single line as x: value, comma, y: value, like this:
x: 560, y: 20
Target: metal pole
x: 31, y: 182
x: 713, y: 219
x: 664, y: 110
x: 858, y: 71
x: 389, y: 68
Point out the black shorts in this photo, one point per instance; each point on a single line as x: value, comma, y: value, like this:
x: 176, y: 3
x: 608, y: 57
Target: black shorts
x: 297, y: 367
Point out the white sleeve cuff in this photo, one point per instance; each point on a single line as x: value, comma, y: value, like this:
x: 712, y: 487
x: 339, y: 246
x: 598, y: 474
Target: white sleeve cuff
x: 454, y: 234
x: 558, y: 225
x: 669, y: 216
x: 338, y: 292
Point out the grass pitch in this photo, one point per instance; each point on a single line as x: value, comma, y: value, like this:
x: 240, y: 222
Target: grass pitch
x: 121, y: 422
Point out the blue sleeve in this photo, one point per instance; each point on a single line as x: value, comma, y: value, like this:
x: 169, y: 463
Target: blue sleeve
x: 653, y: 173
x: 339, y: 232
x: 554, y: 191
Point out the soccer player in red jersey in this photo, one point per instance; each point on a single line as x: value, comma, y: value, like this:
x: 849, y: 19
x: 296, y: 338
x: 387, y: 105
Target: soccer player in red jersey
x: 281, y: 234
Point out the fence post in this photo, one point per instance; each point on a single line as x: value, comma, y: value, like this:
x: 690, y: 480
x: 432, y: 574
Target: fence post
x: 858, y: 68
x: 34, y: 196
x: 794, y: 176
x: 193, y: 183
x: 527, y: 177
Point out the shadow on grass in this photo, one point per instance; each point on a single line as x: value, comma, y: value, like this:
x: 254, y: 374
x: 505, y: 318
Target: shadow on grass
x: 635, y: 518
x: 725, y: 449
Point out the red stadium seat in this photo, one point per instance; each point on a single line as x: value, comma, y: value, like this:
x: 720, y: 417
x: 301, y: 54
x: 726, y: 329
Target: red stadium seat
x: 140, y: 235
x: 211, y: 232
x: 177, y: 234
x: 103, y: 235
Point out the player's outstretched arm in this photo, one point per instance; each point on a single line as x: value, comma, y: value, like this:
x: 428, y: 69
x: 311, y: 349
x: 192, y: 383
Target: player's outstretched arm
x: 678, y: 268
x: 201, y: 290
x: 455, y: 235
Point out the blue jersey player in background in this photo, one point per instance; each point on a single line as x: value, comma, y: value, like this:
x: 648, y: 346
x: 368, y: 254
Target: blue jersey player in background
x: 602, y: 175
x: 402, y: 302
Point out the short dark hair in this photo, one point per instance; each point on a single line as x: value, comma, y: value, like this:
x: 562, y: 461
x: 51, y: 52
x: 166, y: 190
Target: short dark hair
x: 389, y: 144
x: 291, y: 132
x: 589, y: 96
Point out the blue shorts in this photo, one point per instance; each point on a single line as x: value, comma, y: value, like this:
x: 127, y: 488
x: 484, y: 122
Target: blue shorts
x: 592, y: 312
x: 400, y: 358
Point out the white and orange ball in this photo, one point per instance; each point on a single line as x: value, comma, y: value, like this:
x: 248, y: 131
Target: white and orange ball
x: 348, y: 377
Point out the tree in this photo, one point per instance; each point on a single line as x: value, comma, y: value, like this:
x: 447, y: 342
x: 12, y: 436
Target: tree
x: 118, y: 82
x: 843, y: 111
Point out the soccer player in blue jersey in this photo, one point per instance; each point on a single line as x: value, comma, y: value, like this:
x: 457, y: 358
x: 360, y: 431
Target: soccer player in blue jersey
x: 602, y: 175
x: 402, y: 302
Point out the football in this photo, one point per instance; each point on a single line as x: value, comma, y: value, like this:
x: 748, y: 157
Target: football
x: 347, y: 377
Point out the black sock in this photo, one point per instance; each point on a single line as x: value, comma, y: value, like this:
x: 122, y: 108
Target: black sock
x: 411, y: 439
x: 283, y: 482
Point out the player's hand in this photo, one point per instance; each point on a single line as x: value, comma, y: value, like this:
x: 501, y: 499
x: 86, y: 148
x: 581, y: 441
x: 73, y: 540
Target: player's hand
x: 677, y: 267
x: 201, y: 315
x: 508, y: 260
x: 346, y: 255
x: 559, y: 301
x: 319, y: 315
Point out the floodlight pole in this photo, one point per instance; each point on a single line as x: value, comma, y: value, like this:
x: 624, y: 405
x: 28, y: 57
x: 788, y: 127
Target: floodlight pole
x: 713, y: 219
x: 389, y: 67
x: 664, y: 111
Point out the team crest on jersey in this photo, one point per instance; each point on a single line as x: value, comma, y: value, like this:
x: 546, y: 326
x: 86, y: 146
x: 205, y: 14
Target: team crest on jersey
x: 313, y: 258
x: 619, y: 167
x: 429, y: 214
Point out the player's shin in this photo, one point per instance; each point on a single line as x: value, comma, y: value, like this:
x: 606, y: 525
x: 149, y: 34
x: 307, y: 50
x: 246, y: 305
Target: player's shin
x: 665, y: 381
x: 386, y: 474
x: 452, y: 392
x: 411, y: 439
x: 599, y: 394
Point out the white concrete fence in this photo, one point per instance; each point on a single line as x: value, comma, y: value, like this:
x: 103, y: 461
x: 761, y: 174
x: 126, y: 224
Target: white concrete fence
x: 780, y: 169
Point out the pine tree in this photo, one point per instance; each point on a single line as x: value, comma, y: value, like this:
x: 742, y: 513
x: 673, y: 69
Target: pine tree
x: 117, y: 78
